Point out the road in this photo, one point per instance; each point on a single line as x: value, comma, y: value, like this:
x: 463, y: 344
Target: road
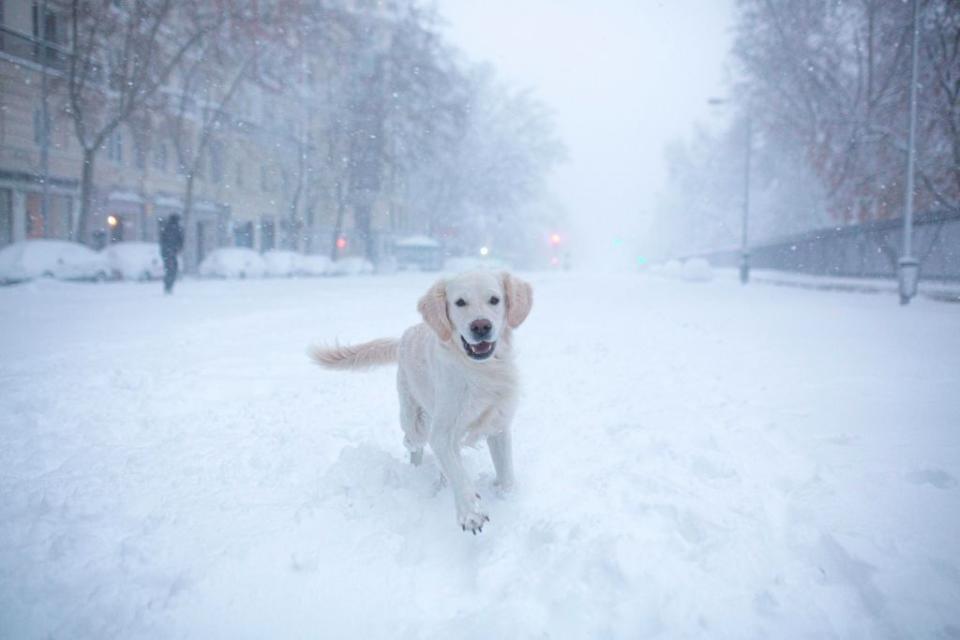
x: 693, y: 460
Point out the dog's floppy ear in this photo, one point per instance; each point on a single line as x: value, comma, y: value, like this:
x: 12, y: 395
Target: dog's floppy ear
x: 519, y: 295
x: 433, y: 308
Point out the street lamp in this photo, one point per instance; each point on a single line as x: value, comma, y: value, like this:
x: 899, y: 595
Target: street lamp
x: 908, y: 266
x: 748, y: 141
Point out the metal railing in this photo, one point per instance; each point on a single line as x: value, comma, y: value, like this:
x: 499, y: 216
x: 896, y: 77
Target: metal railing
x: 865, y: 250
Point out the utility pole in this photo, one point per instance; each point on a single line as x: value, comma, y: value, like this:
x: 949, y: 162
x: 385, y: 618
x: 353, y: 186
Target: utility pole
x: 747, y: 152
x: 45, y: 119
x: 744, y: 250
x: 909, y: 267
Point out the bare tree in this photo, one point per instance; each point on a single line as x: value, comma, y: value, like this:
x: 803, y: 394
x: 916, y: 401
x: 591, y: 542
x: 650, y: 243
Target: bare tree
x: 123, y: 53
x: 832, y: 79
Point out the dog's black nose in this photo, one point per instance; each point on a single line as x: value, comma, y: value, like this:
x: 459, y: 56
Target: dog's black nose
x: 481, y: 328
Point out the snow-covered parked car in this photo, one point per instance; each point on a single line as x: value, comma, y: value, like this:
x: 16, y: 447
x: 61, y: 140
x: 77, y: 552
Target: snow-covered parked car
x: 352, y: 266
x: 282, y: 264
x: 233, y: 262
x: 315, y: 265
x: 29, y: 259
x: 135, y: 260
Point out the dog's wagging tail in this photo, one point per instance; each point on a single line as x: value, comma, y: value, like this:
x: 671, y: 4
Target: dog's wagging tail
x: 357, y: 356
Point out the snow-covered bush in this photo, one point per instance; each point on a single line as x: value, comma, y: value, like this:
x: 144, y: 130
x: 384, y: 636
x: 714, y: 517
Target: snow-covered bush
x: 672, y: 269
x: 697, y: 270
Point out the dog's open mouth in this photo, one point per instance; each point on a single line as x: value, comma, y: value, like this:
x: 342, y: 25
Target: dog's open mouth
x: 479, y: 351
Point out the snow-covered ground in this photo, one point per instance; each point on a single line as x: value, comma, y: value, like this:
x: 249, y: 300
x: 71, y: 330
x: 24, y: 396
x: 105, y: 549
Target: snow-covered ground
x: 694, y: 460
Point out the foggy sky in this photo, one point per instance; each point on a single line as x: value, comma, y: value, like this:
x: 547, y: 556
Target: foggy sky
x: 622, y: 77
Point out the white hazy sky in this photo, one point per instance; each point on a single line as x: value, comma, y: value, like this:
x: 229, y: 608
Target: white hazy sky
x: 623, y: 77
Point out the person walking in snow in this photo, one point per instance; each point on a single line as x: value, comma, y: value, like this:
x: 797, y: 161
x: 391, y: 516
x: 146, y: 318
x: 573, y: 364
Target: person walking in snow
x: 171, y: 244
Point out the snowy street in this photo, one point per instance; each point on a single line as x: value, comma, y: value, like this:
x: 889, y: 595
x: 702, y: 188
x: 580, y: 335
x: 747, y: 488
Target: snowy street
x: 693, y: 460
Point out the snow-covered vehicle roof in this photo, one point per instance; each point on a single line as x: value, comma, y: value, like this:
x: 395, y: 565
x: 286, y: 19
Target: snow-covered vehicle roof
x: 29, y: 259
x: 280, y: 263
x: 233, y: 262
x: 417, y: 241
x: 315, y: 265
x: 135, y: 260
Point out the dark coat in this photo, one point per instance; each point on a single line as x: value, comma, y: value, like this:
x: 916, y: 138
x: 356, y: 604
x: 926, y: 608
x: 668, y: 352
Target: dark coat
x: 171, y: 239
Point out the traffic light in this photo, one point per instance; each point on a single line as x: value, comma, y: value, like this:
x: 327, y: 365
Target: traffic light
x: 555, y: 239
x: 341, y: 243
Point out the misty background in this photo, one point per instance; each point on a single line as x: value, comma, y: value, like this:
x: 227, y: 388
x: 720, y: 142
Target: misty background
x: 540, y: 134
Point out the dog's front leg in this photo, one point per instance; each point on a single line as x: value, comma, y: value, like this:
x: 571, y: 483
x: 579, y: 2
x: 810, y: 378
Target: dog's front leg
x: 501, y: 452
x: 445, y: 442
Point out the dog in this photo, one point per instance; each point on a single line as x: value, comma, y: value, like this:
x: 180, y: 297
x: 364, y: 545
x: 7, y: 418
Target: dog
x: 456, y: 378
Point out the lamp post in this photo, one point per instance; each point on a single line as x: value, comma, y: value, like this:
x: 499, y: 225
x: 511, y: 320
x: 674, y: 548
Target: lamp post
x: 44, y: 117
x: 748, y: 141
x: 908, y: 265
x: 744, y: 250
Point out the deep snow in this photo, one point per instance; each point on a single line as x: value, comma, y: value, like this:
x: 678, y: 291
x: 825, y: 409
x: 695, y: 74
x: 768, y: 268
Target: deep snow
x: 694, y: 460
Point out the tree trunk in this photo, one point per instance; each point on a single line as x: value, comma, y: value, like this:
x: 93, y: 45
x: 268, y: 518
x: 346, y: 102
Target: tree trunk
x: 86, y: 195
x: 189, y: 256
x: 362, y: 216
x: 338, y: 225
x: 310, y: 216
x: 293, y: 228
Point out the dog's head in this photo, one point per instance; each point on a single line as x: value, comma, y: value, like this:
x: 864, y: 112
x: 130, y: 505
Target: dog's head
x: 476, y: 309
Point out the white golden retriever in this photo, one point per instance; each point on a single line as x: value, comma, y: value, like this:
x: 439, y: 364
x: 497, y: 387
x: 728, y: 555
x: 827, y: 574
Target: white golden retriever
x: 457, y: 380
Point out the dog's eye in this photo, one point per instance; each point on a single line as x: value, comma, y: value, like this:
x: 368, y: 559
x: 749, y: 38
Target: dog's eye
x: 460, y: 302
x: 494, y: 300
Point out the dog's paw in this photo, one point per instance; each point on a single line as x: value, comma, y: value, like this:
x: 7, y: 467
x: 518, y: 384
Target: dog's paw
x: 471, y: 518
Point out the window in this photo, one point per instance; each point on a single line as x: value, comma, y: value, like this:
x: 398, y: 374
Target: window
x: 268, y: 234
x: 243, y: 235
x: 139, y: 153
x: 37, y: 127
x: 50, y: 24
x: 34, y: 212
x: 115, y: 146
x: 216, y: 161
x: 38, y: 130
x: 160, y: 156
x: 264, y: 178
x: 6, y: 217
x: 56, y: 223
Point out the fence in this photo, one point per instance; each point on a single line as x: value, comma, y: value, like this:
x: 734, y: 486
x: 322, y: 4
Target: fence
x: 865, y: 250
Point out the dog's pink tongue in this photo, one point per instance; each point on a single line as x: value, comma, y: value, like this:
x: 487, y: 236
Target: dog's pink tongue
x: 482, y: 347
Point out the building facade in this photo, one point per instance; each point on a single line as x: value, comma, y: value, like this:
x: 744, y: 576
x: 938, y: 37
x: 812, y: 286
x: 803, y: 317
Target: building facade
x: 250, y: 187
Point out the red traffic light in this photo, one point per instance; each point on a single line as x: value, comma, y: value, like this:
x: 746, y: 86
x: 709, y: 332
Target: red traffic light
x: 341, y: 243
x: 555, y: 239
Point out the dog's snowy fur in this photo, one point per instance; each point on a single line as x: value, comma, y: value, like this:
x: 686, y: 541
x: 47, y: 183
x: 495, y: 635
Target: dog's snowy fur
x: 453, y: 388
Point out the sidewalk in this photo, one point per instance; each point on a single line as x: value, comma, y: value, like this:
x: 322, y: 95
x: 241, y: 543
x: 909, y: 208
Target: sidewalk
x: 941, y: 291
